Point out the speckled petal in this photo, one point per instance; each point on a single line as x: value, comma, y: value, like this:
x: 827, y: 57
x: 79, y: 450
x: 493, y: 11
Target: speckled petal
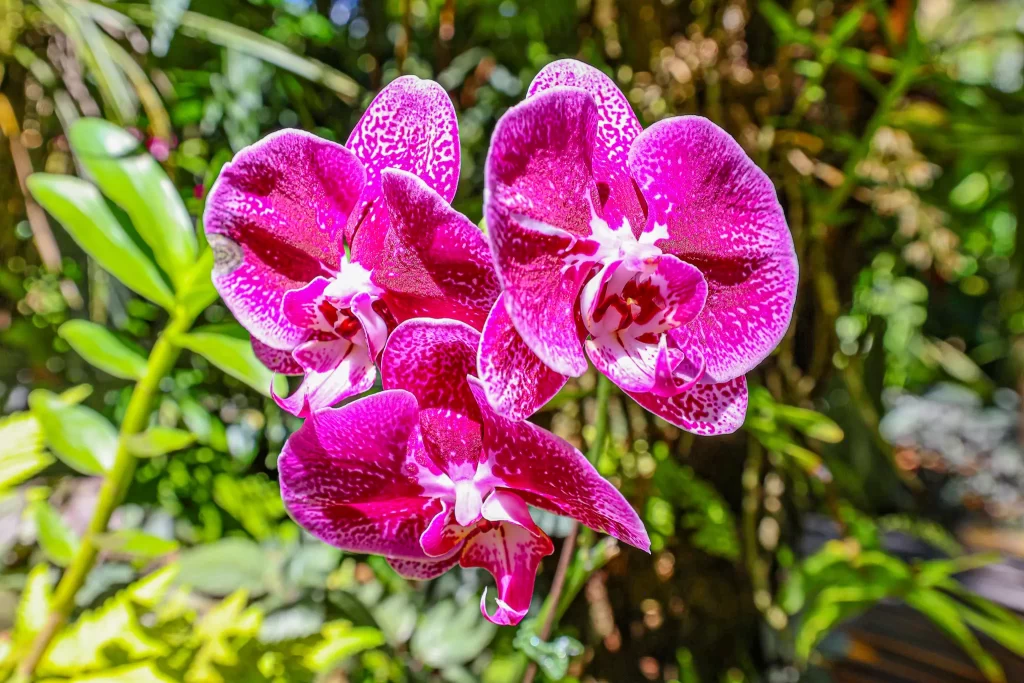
x: 444, y: 536
x: 410, y: 125
x: 511, y: 554
x: 529, y: 460
x: 516, y: 380
x: 423, y: 570
x: 334, y: 369
x: 274, y: 219
x: 617, y: 127
x: 540, y: 199
x: 431, y: 359
x: 706, y: 409
x: 435, y: 263
x: 347, y: 478
x: 275, y: 359
x: 720, y: 213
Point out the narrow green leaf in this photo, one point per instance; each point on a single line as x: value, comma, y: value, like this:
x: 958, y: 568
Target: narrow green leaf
x: 159, y: 441
x: 56, y: 538
x: 80, y: 208
x: 811, y: 423
x: 945, y: 613
x: 136, y: 543
x: 233, y: 356
x: 135, y: 181
x: 100, y: 348
x: 82, y: 438
x: 233, y: 37
x: 21, y: 449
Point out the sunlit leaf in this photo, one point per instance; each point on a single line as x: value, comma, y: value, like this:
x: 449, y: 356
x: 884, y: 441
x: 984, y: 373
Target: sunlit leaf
x: 811, y: 423
x: 21, y: 449
x: 133, y: 179
x: 340, y: 641
x: 135, y: 543
x: 80, y: 208
x: 224, y: 567
x: 82, y: 438
x: 234, y: 356
x: 56, y: 538
x: 945, y: 613
x: 34, y: 606
x: 157, y: 441
x: 100, y: 348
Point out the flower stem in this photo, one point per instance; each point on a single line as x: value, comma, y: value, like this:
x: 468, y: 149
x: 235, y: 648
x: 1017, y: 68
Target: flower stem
x: 549, y: 612
x: 115, y: 486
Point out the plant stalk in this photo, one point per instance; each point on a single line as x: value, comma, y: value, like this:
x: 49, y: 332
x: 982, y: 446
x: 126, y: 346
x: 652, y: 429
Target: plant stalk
x: 549, y: 612
x: 162, y: 358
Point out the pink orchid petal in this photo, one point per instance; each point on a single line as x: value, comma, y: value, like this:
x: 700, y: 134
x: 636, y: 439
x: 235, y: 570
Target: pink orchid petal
x: 275, y: 359
x: 443, y: 536
x: 422, y: 570
x: 431, y: 359
x: 540, y: 195
x: 628, y: 312
x: 617, y: 127
x: 706, y: 409
x: 674, y: 373
x: 529, y: 460
x: 718, y: 211
x: 435, y: 263
x: 505, y: 506
x: 511, y: 554
x: 335, y: 369
x: 374, y: 326
x: 627, y: 362
x: 410, y: 125
x: 347, y: 477
x: 452, y: 439
x: 272, y: 219
x: 301, y: 307
x: 516, y: 380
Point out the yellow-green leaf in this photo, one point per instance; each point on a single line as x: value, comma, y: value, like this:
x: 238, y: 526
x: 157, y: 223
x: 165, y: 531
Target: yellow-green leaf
x: 100, y: 348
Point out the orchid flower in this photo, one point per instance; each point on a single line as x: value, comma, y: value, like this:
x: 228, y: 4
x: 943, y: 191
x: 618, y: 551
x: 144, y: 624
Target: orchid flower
x: 279, y: 213
x: 428, y: 475
x: 661, y: 254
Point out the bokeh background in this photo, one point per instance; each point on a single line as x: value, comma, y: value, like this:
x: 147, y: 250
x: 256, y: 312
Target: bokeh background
x: 826, y: 541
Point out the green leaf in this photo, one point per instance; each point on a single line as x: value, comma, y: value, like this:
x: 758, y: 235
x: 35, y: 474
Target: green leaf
x: 21, y: 449
x: 143, y: 672
x: 137, y: 183
x: 340, y: 641
x: 82, y: 438
x: 945, y: 613
x: 100, y: 348
x: 136, y: 543
x: 80, y: 208
x: 223, y: 567
x: 233, y: 37
x: 553, y: 656
x: 57, y: 540
x: 813, y: 424
x: 235, y: 357
x: 448, y: 634
x: 34, y: 605
x: 159, y: 441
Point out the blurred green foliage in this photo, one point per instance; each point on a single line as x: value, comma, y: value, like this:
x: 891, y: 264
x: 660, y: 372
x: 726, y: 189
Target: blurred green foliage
x: 894, y: 132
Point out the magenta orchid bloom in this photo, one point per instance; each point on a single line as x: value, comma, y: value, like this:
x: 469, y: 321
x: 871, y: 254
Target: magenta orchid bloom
x: 280, y: 211
x: 663, y: 253
x: 428, y: 475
